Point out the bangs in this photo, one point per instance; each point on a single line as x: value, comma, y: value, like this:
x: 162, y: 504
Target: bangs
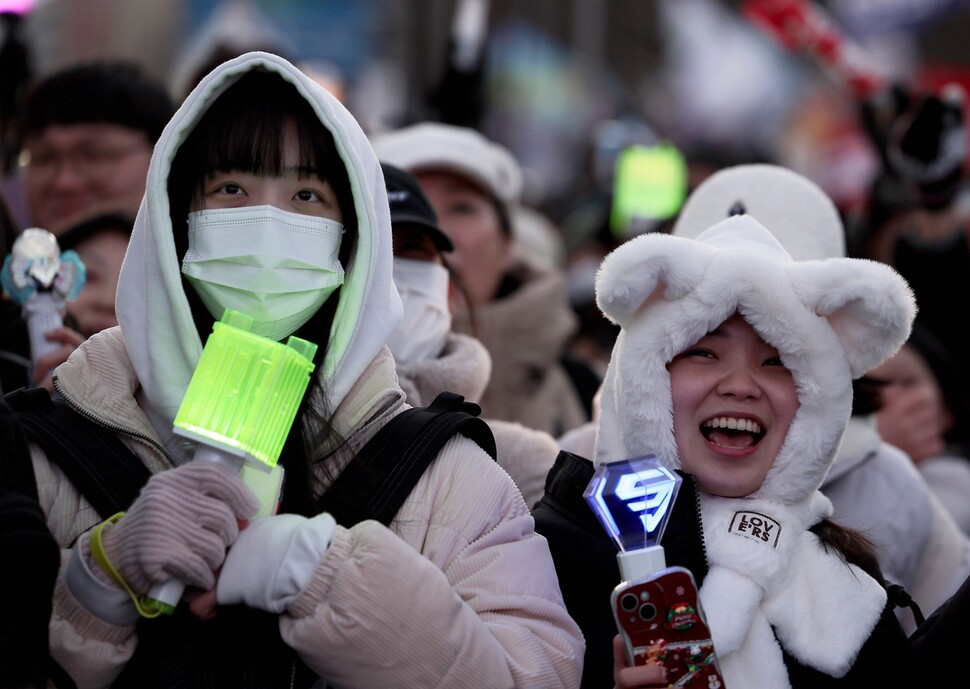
x: 244, y: 133
x: 243, y: 129
x: 253, y: 142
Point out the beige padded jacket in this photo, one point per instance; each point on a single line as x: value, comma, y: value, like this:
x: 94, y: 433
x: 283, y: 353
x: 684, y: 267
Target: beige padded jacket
x: 458, y: 592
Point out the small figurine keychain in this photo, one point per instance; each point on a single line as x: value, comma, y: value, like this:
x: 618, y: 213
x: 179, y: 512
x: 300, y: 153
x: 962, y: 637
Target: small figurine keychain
x: 39, y: 278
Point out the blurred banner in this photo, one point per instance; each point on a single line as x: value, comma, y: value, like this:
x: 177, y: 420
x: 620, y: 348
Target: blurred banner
x: 873, y: 17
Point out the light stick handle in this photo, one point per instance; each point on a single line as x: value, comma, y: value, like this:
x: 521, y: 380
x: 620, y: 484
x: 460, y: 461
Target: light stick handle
x: 635, y: 564
x: 240, y: 404
x: 43, y: 313
x: 168, y: 594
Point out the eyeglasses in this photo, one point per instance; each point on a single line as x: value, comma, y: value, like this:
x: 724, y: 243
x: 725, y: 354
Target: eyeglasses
x: 89, y: 161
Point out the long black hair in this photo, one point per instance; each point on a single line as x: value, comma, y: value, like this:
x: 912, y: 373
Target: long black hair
x: 243, y: 130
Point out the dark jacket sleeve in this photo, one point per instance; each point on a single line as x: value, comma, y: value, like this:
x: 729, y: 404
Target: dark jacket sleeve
x: 940, y: 640
x: 31, y: 558
x: 585, y: 559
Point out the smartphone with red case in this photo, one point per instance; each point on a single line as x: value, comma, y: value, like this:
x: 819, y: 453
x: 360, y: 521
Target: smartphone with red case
x: 660, y: 620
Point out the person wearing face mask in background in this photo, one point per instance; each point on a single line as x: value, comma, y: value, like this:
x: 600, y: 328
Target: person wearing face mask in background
x: 420, y: 274
x: 517, y: 307
x: 430, y: 356
x: 456, y: 591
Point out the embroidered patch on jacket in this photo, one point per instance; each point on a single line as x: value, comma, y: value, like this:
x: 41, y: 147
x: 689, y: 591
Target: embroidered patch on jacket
x: 756, y: 526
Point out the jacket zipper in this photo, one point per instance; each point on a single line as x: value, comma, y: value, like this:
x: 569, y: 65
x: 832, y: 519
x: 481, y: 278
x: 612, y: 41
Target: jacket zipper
x: 112, y: 426
x: 700, y: 522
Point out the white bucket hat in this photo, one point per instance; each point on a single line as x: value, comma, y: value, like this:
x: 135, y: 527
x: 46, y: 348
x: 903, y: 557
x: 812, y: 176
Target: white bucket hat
x: 462, y: 150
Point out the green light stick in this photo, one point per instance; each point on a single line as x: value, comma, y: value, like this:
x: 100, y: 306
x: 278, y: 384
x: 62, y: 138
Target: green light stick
x: 650, y: 185
x: 240, y: 404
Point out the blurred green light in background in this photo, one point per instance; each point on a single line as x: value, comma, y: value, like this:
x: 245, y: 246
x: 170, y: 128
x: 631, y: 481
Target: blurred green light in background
x: 650, y: 186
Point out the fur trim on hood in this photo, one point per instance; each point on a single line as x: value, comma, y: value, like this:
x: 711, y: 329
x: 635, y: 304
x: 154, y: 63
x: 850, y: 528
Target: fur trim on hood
x: 153, y: 311
x: 830, y: 320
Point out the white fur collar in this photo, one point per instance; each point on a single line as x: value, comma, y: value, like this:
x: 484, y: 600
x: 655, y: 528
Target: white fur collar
x: 770, y: 576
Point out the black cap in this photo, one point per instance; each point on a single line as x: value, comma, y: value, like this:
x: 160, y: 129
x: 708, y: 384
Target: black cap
x: 410, y: 206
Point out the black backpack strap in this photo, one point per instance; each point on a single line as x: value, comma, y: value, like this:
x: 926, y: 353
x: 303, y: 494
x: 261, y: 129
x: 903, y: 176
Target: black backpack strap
x: 95, y: 460
x: 380, y: 478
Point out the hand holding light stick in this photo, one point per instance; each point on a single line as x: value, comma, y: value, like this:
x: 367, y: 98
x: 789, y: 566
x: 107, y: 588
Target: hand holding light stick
x: 239, y: 406
x: 39, y: 278
x: 657, y: 608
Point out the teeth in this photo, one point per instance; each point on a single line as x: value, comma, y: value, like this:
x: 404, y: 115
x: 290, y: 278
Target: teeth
x: 732, y: 423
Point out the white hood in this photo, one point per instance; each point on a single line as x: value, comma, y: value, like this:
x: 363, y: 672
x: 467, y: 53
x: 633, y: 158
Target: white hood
x: 831, y: 320
x: 153, y: 311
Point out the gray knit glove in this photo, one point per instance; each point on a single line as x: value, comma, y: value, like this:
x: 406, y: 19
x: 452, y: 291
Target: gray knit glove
x: 180, y: 526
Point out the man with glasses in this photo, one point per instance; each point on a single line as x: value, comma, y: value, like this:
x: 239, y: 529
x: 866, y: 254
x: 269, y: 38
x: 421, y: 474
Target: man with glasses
x: 86, y: 135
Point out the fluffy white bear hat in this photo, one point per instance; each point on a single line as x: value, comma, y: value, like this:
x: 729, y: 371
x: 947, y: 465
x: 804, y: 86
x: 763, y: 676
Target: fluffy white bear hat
x: 831, y: 321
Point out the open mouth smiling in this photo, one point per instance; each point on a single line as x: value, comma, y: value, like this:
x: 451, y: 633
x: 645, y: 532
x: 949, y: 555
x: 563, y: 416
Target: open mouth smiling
x: 732, y: 431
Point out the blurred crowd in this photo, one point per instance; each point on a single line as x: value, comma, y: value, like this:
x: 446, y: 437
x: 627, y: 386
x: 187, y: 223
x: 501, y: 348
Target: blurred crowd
x: 497, y: 270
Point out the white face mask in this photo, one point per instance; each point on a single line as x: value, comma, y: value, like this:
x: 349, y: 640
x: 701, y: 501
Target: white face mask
x: 423, y: 286
x: 275, y: 266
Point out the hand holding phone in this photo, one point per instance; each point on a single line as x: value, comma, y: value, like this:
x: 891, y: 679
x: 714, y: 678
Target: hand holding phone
x: 661, y: 621
x: 657, y: 608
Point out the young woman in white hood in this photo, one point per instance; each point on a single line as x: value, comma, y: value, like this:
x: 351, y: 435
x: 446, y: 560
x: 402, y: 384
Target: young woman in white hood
x: 264, y: 196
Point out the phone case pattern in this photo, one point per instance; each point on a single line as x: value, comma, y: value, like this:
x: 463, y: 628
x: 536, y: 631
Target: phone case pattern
x: 661, y: 621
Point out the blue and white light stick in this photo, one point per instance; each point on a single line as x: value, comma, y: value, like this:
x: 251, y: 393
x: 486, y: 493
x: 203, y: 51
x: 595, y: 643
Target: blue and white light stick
x: 657, y: 608
x: 632, y: 498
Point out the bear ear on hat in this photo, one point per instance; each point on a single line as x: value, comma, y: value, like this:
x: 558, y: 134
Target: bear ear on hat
x: 868, y: 304
x: 645, y: 269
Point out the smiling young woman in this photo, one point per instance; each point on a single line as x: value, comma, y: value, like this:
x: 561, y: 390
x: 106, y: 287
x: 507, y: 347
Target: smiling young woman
x: 734, y: 366
x: 733, y: 404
